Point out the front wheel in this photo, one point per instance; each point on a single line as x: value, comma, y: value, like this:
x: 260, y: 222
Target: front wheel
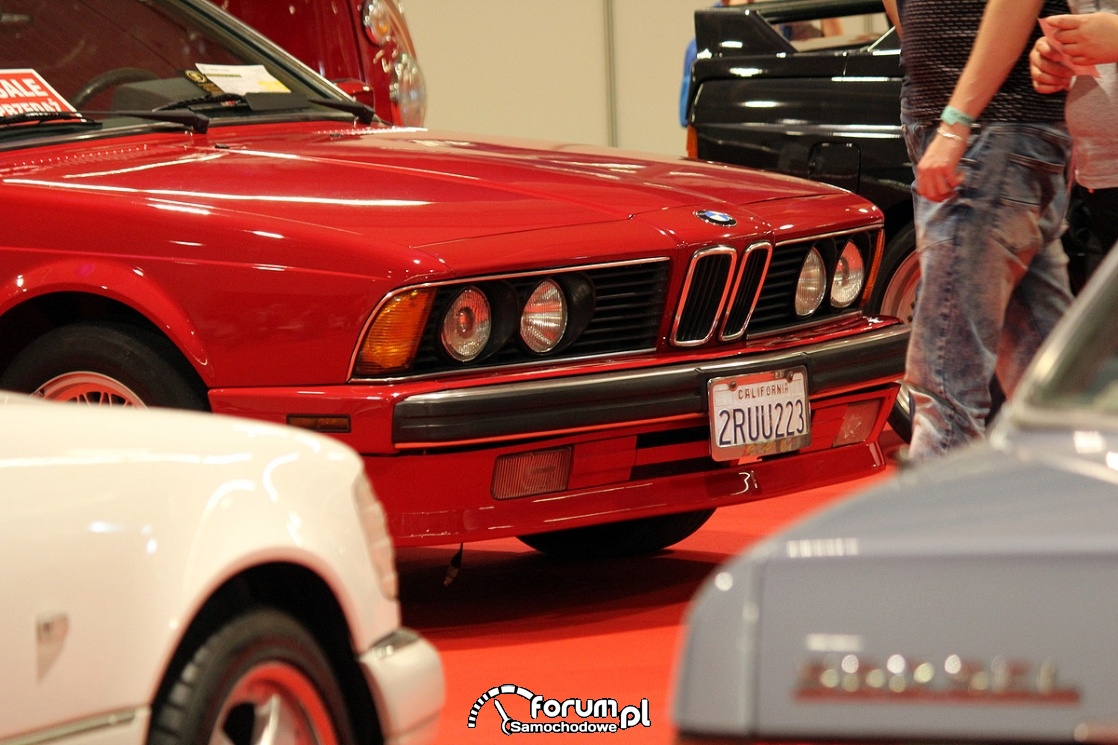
x: 645, y: 535
x: 262, y: 678
x: 104, y: 365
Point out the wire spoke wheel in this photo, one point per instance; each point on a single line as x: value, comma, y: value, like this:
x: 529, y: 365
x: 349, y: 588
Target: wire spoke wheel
x: 900, y: 295
x: 105, y: 364
x: 93, y: 389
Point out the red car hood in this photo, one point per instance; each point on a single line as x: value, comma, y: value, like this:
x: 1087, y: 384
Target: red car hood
x: 356, y: 199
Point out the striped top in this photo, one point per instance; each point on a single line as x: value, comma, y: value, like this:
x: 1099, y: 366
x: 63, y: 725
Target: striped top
x: 938, y: 36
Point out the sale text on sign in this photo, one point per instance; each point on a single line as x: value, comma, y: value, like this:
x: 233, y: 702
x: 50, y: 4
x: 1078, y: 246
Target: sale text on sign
x: 24, y: 91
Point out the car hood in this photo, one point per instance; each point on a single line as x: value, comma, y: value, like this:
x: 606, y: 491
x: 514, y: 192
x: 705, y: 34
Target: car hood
x: 386, y: 182
x: 987, y: 500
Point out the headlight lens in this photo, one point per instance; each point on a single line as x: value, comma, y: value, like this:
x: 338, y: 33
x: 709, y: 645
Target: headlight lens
x: 850, y: 276
x: 392, y: 339
x: 378, y: 22
x: 812, y: 284
x: 544, y: 320
x: 408, y: 91
x: 467, y: 325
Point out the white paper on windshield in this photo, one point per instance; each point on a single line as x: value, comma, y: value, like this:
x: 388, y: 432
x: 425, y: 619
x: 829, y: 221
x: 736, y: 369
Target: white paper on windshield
x: 242, y: 79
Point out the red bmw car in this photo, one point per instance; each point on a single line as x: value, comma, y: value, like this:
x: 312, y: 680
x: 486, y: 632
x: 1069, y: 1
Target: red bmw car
x: 583, y: 347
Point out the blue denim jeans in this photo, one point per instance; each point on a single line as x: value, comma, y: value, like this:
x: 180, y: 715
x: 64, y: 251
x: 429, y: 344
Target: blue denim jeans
x: 994, y: 277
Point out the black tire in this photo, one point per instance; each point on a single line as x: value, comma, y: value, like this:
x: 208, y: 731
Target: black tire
x: 645, y: 535
x: 262, y: 663
x: 105, y: 365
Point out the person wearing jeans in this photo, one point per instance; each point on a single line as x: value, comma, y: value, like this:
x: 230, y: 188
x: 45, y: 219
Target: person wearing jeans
x: 989, y: 197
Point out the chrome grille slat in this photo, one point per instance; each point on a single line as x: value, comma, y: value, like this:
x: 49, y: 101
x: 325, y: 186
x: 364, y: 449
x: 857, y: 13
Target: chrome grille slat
x: 704, y: 295
x: 751, y: 278
x: 763, y: 297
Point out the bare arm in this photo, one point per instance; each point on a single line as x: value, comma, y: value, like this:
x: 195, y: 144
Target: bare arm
x: 1002, y: 37
x: 894, y: 16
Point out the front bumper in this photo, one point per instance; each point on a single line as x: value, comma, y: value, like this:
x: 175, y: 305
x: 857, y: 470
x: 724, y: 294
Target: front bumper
x: 405, y: 678
x: 502, y: 412
x: 635, y: 439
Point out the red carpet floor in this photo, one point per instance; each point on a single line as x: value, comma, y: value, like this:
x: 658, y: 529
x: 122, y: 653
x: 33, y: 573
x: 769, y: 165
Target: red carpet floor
x: 583, y: 630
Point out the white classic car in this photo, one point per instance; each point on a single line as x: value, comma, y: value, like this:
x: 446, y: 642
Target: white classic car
x: 966, y: 600
x: 173, y: 577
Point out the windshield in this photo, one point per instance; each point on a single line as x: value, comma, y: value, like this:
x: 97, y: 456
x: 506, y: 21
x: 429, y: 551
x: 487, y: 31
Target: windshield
x: 1083, y: 374
x: 101, y: 56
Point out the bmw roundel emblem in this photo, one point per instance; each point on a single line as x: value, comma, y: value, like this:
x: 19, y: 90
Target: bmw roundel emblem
x: 716, y: 218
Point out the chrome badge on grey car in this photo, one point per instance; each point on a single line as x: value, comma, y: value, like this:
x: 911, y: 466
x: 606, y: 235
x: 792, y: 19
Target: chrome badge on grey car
x: 835, y: 677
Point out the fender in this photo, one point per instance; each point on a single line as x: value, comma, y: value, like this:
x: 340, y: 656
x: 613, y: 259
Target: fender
x: 116, y: 281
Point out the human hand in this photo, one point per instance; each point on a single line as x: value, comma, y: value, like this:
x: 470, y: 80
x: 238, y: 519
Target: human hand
x: 937, y: 173
x: 1049, y: 68
x: 1087, y: 39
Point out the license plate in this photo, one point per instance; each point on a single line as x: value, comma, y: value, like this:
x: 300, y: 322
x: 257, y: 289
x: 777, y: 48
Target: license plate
x: 759, y: 414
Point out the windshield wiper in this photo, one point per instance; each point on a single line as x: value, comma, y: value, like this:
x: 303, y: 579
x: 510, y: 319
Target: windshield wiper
x: 363, y: 112
x: 286, y: 101
x: 198, y: 122
x: 184, y: 111
x: 225, y: 100
x: 39, y: 117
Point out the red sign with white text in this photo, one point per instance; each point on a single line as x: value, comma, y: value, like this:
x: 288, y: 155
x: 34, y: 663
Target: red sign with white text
x: 23, y: 91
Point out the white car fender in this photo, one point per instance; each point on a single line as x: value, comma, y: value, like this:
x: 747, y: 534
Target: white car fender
x: 112, y: 544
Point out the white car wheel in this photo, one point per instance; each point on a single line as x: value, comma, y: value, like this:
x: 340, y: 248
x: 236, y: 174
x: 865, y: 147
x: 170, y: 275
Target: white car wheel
x: 262, y: 679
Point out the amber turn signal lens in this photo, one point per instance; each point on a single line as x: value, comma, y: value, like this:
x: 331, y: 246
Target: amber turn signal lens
x: 392, y: 339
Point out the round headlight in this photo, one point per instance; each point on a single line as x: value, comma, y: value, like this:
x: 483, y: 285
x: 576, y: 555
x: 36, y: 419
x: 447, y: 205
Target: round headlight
x: 811, y: 287
x: 544, y: 320
x: 850, y: 276
x: 467, y: 325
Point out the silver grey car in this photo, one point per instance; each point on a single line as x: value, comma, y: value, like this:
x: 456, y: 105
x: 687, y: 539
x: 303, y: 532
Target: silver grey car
x: 968, y: 600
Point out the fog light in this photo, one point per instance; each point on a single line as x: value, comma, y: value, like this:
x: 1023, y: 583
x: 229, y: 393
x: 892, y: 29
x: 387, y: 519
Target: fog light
x: 857, y: 422
x: 526, y: 474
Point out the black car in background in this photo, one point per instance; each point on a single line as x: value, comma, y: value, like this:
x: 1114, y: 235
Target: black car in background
x: 827, y: 109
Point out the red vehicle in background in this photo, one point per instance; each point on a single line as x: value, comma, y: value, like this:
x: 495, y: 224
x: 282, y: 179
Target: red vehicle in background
x: 586, y: 348
x: 338, y: 40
